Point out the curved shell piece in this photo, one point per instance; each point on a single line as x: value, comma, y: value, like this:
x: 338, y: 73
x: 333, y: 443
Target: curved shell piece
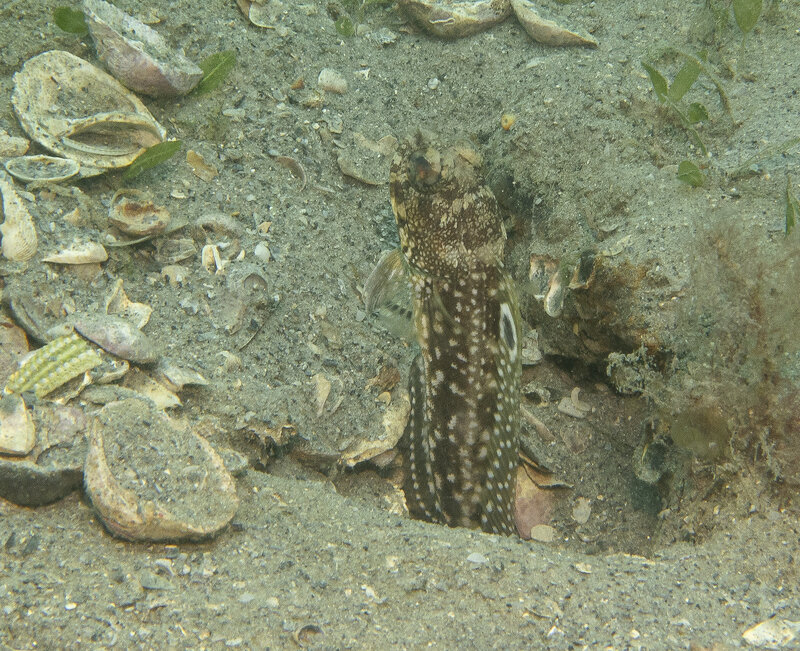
x: 135, y: 213
x: 136, y: 54
x: 79, y: 254
x: 76, y: 110
x: 52, y: 169
x: 180, y: 489
x: 547, y: 31
x: 18, y: 231
x: 119, y: 337
x: 17, y: 430
x: 456, y: 18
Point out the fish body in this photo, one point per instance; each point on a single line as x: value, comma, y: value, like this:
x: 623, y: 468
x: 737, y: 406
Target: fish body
x: 462, y: 434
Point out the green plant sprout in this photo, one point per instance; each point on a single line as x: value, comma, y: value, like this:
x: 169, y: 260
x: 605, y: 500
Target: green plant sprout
x: 746, y: 13
x: 792, y: 207
x: 690, y: 174
x: 151, y: 157
x: 215, y: 68
x: 671, y: 95
x: 70, y: 20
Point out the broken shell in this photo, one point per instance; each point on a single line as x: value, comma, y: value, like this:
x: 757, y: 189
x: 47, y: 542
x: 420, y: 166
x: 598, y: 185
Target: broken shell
x: 134, y: 213
x: 175, y: 250
x: 136, y: 54
x: 76, y: 110
x: 11, y: 146
x: 547, y: 31
x: 13, y: 347
x: 201, y: 168
x: 332, y: 81
x: 545, y: 274
x: 118, y: 303
x: 19, y: 234
x: 17, y: 431
x: 584, y: 272
x: 540, y: 272
x: 50, y: 169
x: 259, y: 12
x: 245, y: 280
x: 456, y: 18
x: 119, y: 337
x: 554, y: 299
x: 211, y: 260
x: 175, y: 376
x: 147, y: 387
x: 85, y: 253
x: 174, y: 488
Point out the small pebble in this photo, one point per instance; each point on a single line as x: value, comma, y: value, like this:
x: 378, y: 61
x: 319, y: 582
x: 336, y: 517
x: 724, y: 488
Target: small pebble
x: 477, y: 558
x: 332, y: 81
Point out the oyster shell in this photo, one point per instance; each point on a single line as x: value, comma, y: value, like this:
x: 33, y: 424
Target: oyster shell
x: 76, y: 110
x: 136, y: 54
x: 51, y: 169
x: 456, y: 18
x: 85, y: 253
x: 175, y: 487
x: 17, y: 431
x: 135, y: 213
x: 19, y: 234
x: 547, y: 31
x: 118, y: 336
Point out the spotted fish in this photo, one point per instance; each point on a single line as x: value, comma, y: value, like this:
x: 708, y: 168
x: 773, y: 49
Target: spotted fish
x: 462, y: 434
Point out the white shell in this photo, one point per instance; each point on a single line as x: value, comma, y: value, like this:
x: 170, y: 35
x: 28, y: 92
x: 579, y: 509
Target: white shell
x: 52, y: 169
x: 547, y: 31
x: 76, y: 110
x: 456, y: 18
x: 332, y: 81
x: 210, y: 259
x: 17, y: 431
x: 129, y: 510
x: 19, y: 233
x: 136, y: 54
x: 135, y: 213
x: 79, y: 254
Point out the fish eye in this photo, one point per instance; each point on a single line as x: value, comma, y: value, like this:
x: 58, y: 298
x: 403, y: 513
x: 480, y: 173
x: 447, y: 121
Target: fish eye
x: 424, y: 170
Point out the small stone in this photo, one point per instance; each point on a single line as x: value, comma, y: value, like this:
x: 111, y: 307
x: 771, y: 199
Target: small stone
x: 332, y: 81
x: 262, y: 252
x: 543, y: 533
x: 477, y: 558
x: 582, y: 510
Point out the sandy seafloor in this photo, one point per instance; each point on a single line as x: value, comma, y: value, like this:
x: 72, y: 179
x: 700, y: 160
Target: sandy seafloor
x: 592, y: 162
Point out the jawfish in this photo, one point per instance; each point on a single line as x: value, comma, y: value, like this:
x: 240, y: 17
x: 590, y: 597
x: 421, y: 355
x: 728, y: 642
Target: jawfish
x: 463, y: 431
